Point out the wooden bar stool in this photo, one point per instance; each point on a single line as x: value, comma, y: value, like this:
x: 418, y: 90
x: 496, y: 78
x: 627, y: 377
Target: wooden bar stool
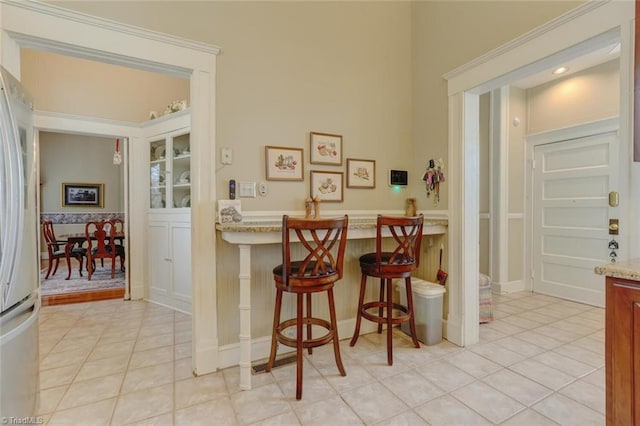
x: 323, y: 242
x: 406, y: 234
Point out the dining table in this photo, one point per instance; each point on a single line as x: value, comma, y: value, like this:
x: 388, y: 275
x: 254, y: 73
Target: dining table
x: 78, y: 239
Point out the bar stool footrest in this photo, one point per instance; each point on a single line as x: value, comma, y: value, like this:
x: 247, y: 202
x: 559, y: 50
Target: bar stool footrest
x: 308, y: 343
x: 383, y: 319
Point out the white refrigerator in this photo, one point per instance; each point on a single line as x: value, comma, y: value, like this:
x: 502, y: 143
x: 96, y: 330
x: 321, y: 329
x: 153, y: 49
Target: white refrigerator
x: 19, y: 264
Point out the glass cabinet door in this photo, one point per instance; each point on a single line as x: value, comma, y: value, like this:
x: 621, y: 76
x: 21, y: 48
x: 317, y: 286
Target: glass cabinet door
x: 181, y: 167
x: 170, y: 172
x: 158, y: 173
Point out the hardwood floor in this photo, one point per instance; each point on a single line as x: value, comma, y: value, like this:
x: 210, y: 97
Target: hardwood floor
x: 84, y: 296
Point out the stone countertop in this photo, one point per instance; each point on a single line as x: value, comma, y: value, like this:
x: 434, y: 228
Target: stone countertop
x: 625, y: 269
x: 258, y: 226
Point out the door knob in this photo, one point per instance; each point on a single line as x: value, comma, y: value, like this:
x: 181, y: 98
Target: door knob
x: 613, y: 227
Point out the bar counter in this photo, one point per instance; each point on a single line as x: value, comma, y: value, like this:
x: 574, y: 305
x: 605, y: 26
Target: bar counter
x: 254, y: 232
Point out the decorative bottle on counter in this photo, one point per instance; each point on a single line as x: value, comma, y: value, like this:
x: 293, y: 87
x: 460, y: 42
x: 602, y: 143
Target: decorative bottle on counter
x: 411, y: 207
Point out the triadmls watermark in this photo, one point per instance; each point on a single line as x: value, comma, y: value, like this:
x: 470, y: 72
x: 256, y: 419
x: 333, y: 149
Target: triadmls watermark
x: 33, y: 420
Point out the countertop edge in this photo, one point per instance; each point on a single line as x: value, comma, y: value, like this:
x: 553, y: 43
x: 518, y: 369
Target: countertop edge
x: 627, y: 269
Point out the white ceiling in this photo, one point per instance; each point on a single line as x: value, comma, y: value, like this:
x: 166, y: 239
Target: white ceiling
x: 591, y: 59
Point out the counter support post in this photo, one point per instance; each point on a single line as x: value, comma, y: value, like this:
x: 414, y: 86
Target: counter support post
x: 245, y: 316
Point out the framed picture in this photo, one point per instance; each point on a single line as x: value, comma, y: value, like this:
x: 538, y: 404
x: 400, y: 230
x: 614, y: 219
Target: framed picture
x: 361, y: 173
x: 326, y: 149
x: 327, y: 186
x: 284, y: 163
x: 83, y: 195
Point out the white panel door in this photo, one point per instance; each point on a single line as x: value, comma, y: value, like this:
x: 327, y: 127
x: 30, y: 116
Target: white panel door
x: 572, y: 180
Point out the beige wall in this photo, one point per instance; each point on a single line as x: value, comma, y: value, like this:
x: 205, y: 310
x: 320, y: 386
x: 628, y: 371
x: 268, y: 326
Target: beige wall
x: 582, y: 97
x: 74, y: 158
x: 77, y: 86
x: 371, y: 71
x: 288, y: 68
x: 516, y: 169
x: 448, y: 34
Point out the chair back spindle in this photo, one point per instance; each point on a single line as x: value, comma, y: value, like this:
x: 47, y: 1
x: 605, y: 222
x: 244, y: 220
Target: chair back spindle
x: 104, y: 244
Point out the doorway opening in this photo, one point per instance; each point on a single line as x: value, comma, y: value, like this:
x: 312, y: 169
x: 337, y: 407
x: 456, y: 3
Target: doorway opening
x: 521, y: 58
x: 67, y: 160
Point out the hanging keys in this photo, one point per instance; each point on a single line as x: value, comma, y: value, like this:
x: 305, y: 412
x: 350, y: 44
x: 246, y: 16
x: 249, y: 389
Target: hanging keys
x: 613, y: 246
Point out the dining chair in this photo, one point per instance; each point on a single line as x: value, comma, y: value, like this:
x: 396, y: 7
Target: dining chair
x: 98, y: 241
x: 118, y: 225
x: 322, y: 243
x: 57, y: 249
x: 400, y: 262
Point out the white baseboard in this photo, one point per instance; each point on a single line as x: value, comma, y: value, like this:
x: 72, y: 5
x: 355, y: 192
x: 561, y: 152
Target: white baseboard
x: 229, y: 355
x: 207, y: 359
x: 508, y: 287
x: 453, y: 330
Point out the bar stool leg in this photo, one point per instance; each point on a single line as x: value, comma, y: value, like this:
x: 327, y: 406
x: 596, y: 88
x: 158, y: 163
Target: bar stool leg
x: 299, y: 347
x: 276, y: 321
x: 389, y: 322
x: 308, y: 296
x: 381, y: 308
x: 356, y: 333
x: 412, y: 320
x: 334, y: 326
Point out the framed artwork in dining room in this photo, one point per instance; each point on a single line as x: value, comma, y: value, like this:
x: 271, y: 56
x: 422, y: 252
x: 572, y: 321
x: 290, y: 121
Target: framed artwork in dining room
x: 326, y: 148
x: 327, y: 186
x: 283, y: 163
x: 361, y: 173
x: 83, y: 195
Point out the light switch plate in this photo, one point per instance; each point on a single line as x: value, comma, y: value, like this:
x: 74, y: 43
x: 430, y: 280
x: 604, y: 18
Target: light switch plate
x: 226, y: 156
x: 247, y: 189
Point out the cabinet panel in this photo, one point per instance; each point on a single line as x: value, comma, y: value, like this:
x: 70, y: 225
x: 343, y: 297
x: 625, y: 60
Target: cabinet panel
x: 181, y: 239
x: 622, y: 351
x: 170, y: 262
x: 158, y: 258
x: 635, y: 332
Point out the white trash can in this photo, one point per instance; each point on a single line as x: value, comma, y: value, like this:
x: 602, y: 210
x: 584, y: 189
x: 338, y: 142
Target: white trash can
x: 427, y: 306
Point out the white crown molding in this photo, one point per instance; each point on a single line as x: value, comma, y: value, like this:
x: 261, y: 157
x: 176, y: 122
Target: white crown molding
x: 525, y: 38
x: 59, y: 12
x: 83, y: 125
x: 71, y: 18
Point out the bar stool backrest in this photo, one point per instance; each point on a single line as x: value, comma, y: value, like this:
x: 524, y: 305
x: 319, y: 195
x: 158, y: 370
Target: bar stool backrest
x: 406, y: 233
x: 322, y: 242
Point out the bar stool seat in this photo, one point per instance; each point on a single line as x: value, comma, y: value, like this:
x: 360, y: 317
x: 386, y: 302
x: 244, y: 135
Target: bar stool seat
x: 406, y: 236
x: 323, y: 243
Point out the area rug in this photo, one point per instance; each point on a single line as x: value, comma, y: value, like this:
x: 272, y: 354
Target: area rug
x: 100, y: 280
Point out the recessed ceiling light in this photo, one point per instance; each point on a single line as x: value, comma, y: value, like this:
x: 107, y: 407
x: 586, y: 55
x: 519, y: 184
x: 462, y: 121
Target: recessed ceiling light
x: 560, y: 70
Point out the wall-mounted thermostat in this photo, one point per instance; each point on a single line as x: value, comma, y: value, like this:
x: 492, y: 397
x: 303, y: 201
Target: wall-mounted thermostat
x: 398, y: 177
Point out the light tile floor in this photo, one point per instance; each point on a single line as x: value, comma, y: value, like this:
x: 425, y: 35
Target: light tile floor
x: 540, y: 362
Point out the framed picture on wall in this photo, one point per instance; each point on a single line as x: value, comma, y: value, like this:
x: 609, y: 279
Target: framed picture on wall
x: 327, y: 186
x: 326, y: 149
x: 83, y: 195
x: 284, y: 163
x: 361, y: 173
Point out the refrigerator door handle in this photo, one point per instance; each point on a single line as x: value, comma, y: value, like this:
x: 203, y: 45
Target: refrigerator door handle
x: 13, y: 208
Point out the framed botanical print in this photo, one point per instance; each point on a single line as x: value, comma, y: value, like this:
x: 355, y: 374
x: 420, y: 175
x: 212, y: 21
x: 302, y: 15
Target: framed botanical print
x: 327, y: 186
x: 284, y: 163
x: 326, y: 148
x: 361, y: 173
